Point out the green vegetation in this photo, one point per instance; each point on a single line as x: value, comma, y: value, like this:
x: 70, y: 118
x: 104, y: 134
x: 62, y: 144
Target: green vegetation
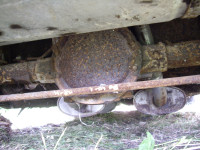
x: 113, y: 131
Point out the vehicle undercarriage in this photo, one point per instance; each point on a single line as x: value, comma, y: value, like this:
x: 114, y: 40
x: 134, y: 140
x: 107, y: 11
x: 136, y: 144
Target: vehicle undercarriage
x: 86, y: 62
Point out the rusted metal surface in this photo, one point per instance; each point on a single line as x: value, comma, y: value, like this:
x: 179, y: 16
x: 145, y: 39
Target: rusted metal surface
x: 93, y: 59
x: 97, y: 58
x: 27, y: 72
x: 103, y: 89
x: 154, y: 58
x: 44, y: 71
x: 17, y: 72
x: 161, y: 57
x: 144, y: 32
x: 143, y: 101
x: 190, y: 90
x: 21, y: 88
x: 183, y: 54
x: 193, y: 10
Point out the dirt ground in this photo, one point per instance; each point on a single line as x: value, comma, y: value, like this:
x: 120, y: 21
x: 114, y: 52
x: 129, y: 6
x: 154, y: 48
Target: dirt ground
x: 109, y: 132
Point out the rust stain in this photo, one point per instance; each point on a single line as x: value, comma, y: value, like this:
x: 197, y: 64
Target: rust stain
x: 34, y: 71
x: 154, y: 58
x: 183, y: 54
x: 160, y: 57
x: 96, y: 58
x: 92, y: 59
x: 98, y: 89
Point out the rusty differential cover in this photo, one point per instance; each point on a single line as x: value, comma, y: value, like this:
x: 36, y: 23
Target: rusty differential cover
x: 93, y: 59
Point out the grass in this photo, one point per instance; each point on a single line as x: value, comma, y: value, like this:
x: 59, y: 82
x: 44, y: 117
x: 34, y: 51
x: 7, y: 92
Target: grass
x: 112, y: 131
